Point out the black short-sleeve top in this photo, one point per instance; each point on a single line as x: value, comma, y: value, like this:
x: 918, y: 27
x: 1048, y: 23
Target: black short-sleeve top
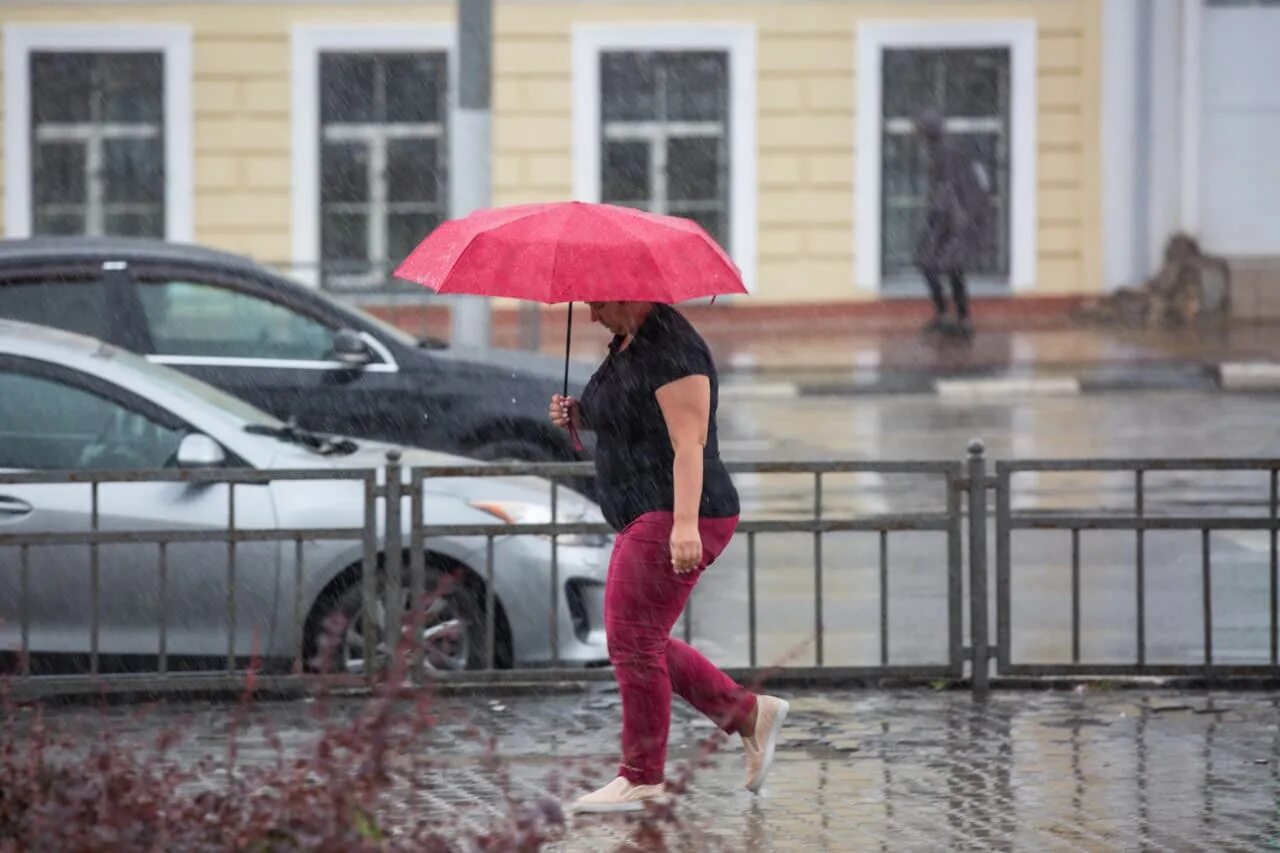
x: 633, y: 455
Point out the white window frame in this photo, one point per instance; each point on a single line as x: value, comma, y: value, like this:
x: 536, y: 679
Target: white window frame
x: 739, y: 42
x: 1016, y: 35
x: 173, y: 42
x: 308, y: 42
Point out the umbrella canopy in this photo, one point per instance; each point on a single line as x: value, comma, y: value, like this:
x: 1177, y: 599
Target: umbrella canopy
x: 572, y: 252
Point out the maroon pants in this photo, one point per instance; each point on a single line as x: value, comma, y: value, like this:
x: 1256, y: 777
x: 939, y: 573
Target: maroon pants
x: 643, y: 599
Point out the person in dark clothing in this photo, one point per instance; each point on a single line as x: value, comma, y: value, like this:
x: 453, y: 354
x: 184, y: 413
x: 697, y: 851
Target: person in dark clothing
x: 955, y: 217
x: 661, y: 484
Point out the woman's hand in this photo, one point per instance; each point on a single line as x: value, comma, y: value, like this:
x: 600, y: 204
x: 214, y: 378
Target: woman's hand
x: 563, y: 411
x: 686, y: 547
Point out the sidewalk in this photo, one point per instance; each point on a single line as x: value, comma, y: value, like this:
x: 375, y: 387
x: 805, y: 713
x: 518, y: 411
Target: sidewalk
x: 862, y: 770
x: 876, y: 348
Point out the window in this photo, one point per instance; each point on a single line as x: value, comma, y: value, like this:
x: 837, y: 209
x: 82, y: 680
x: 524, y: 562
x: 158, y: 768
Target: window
x: 383, y: 175
x: 664, y: 119
x: 49, y: 425
x: 664, y: 134
x: 203, y: 320
x: 980, y: 76
x: 76, y: 306
x: 969, y: 88
x: 97, y: 142
x: 97, y: 130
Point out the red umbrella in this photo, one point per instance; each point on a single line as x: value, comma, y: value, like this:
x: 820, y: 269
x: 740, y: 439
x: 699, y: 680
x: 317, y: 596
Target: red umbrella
x: 572, y: 252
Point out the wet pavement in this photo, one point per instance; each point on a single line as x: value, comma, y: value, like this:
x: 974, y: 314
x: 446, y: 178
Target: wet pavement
x: 856, y: 770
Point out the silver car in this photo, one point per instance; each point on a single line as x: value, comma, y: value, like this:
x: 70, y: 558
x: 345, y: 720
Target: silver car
x: 69, y: 403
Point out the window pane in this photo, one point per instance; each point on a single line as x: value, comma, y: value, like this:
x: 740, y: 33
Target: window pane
x: 911, y: 82
x: 405, y: 231
x: 697, y: 86
x: 412, y: 170
x: 53, y: 426
x: 133, y: 170
x: 59, y: 173
x: 414, y: 85
x: 132, y: 86
x: 901, y: 230
x: 345, y: 236
x: 713, y: 222
x: 975, y: 82
x: 344, y: 168
x: 693, y: 169
x: 969, y: 84
x: 626, y: 172
x: 346, y: 88
x: 905, y: 166
x: 59, y: 223
x: 628, y: 90
x: 60, y: 87
x: 76, y: 306
x: 148, y: 223
x: 188, y: 318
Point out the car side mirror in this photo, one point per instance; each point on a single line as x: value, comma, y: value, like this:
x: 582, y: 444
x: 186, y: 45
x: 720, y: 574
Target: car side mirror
x: 349, y: 348
x: 200, y: 451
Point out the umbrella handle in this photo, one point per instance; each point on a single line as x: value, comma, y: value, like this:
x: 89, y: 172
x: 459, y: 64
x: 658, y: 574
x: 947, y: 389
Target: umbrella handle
x: 568, y: 337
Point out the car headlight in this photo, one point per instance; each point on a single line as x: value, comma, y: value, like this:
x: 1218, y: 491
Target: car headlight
x: 517, y: 512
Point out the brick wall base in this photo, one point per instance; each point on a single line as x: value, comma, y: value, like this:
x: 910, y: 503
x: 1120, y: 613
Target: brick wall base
x: 1023, y: 312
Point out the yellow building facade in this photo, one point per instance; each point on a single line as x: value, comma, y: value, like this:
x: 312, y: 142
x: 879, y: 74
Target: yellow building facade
x: 787, y: 133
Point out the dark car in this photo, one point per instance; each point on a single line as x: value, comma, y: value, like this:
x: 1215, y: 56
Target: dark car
x: 286, y: 348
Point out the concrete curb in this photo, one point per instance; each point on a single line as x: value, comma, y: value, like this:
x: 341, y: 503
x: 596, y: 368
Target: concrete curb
x: 1251, y: 377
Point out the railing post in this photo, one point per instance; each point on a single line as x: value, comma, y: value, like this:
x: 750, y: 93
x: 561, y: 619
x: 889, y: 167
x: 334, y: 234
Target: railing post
x: 393, y: 602
x: 978, y: 567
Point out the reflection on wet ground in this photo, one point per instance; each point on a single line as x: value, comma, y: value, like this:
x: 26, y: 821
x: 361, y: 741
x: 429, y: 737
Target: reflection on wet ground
x: 885, y: 770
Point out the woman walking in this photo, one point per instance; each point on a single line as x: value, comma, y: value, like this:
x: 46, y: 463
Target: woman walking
x: 661, y: 484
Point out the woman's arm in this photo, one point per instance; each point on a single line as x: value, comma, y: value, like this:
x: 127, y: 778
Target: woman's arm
x: 686, y: 407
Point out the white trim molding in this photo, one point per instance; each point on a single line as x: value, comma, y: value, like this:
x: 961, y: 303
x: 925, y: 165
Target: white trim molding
x: 1019, y: 36
x: 172, y: 41
x: 739, y: 41
x: 308, y: 41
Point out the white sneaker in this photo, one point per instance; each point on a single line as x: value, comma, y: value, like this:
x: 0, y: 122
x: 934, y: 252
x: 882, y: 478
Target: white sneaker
x: 620, y: 795
x: 771, y: 712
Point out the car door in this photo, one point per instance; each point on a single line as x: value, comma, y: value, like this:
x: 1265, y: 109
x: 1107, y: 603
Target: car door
x: 56, y: 419
x: 269, y: 352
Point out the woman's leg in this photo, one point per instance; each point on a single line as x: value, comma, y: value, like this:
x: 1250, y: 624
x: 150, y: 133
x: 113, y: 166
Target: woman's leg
x: 643, y: 600
x: 698, y: 681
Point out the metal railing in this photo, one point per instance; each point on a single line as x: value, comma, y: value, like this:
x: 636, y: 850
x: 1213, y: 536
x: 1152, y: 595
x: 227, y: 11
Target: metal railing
x: 391, y: 552
x: 392, y: 490
x: 233, y: 535
x: 1139, y: 520
x: 946, y: 520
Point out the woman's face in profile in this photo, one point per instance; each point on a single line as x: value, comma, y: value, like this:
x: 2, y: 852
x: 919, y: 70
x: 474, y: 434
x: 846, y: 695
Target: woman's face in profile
x: 613, y: 316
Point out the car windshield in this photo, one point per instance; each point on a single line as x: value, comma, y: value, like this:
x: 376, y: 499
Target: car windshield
x: 192, y: 388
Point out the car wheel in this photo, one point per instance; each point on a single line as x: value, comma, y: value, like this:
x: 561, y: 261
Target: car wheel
x: 453, y: 631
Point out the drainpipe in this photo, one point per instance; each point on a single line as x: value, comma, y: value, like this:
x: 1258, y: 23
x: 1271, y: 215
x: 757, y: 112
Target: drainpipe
x: 471, y: 150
